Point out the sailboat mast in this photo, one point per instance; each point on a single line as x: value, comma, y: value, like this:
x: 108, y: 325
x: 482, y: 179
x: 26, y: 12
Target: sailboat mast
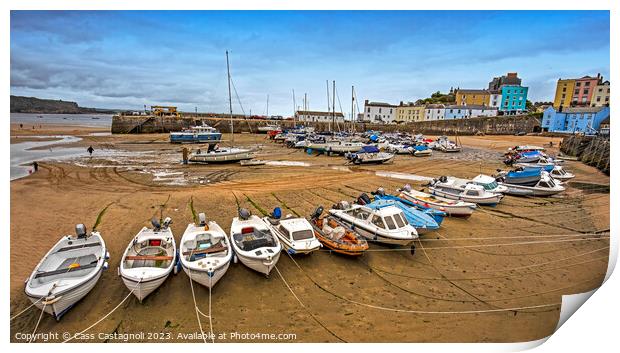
x: 334, y: 104
x: 352, y: 109
x: 294, y: 105
x: 267, y: 106
x: 232, y: 130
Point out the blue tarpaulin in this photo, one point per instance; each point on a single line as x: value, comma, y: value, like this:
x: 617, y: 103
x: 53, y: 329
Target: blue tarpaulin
x: 369, y: 149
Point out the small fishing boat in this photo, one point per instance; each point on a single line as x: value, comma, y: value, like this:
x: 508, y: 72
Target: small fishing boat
x: 422, y: 151
x: 400, y: 148
x: 253, y: 243
x: 525, y: 148
x: 221, y: 155
x: 450, y: 207
x: 369, y: 155
x: 546, y: 186
x: 149, y: 259
x: 559, y: 173
x: 296, y: 234
x: 435, y: 214
x: 336, y: 236
x: 252, y: 162
x: 342, y: 147
x: 197, y: 134
x: 489, y: 183
x: 547, y: 167
x: 521, y: 176
x: 205, y: 251
x: 422, y: 222
x: 69, y: 270
x: 447, y: 188
x: 387, y: 225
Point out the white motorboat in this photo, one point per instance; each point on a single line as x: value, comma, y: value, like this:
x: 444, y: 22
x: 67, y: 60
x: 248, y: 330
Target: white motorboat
x: 149, y: 258
x: 342, y: 147
x: 269, y: 127
x: 205, y: 252
x: 369, y: 155
x: 254, y: 244
x: 560, y: 173
x: 400, y: 149
x: 489, y: 183
x: 296, y: 234
x: 197, y: 134
x: 68, y: 271
x: 546, y: 186
x: 386, y: 225
x: 252, y: 162
x: 423, y: 153
x: 450, y: 189
x: 454, y: 208
x: 221, y: 155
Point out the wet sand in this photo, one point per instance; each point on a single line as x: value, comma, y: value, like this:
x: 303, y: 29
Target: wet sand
x: 525, y: 252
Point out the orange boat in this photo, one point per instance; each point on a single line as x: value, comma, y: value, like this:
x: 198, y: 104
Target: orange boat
x: 336, y: 236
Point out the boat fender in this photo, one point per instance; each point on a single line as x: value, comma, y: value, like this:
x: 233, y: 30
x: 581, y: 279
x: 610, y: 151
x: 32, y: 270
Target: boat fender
x: 235, y: 258
x: 277, y: 213
x: 291, y: 251
x: 413, y: 249
x: 118, y: 271
x: 107, y: 255
x: 106, y: 265
x: 177, y: 264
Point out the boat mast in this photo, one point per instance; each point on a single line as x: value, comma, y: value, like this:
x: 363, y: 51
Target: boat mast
x: 268, y: 107
x: 294, y: 105
x: 232, y: 130
x: 334, y: 104
x: 329, y: 127
x: 352, y: 109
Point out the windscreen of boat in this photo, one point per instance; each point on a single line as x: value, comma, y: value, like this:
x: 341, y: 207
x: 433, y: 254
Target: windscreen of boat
x: 376, y: 220
x: 399, y: 220
x: 303, y: 234
x: 490, y: 186
x: 390, y: 222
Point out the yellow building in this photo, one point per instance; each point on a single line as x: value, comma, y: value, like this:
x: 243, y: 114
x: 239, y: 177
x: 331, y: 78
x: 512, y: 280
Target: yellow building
x: 472, y: 97
x: 409, y: 112
x: 564, y: 93
x: 600, y: 96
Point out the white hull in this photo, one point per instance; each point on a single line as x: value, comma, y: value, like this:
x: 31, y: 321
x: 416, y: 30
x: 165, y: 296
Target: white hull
x: 143, y: 289
x: 202, y: 277
x: 519, y: 190
x: 491, y: 200
x: 451, y: 210
x: 260, y: 265
x: 220, y: 157
x: 58, y: 307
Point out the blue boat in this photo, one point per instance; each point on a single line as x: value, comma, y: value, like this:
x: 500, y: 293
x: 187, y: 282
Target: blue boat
x: 197, y: 134
x: 547, y: 168
x: 437, y: 215
x: 523, y: 176
x: 421, y: 221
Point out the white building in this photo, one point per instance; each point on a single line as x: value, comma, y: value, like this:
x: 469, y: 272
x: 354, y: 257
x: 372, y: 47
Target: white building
x: 495, y: 99
x: 378, y: 112
x: 434, y: 112
x: 468, y: 111
x: 316, y: 116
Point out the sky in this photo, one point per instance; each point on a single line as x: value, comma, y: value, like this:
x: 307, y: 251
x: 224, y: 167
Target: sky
x: 128, y: 59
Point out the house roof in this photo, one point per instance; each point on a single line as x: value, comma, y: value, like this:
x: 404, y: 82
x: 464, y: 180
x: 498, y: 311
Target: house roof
x: 473, y: 91
x: 582, y: 110
x: 318, y: 113
x: 472, y: 106
x: 435, y: 106
x: 379, y: 104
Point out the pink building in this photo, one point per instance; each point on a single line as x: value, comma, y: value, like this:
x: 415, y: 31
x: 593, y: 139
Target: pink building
x: 584, y: 88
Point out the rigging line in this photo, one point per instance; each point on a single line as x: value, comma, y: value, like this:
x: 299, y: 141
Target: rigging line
x: 377, y: 307
x: 23, y: 311
x: 306, y: 308
x: 574, y: 235
x: 105, y: 316
x: 191, y: 284
x: 237, y: 96
x: 38, y: 322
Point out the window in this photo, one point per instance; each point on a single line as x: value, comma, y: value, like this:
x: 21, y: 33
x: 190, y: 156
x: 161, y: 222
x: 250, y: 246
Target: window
x: 376, y: 220
x: 303, y: 234
x: 588, y: 83
x: 390, y: 222
x: 564, y: 89
x: 578, y: 84
x: 369, y: 110
x: 379, y: 110
x: 472, y: 193
x: 401, y: 220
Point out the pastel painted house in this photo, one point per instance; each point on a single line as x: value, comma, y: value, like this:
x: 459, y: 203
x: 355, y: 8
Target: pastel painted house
x: 468, y: 111
x: 513, y: 99
x: 574, y: 120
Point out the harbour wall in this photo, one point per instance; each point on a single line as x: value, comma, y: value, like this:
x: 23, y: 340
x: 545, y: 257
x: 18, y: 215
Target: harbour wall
x: 499, y: 125
x: 590, y: 150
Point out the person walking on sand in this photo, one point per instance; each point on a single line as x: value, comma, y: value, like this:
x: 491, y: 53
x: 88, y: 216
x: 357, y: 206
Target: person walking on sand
x: 36, y: 166
x: 90, y: 150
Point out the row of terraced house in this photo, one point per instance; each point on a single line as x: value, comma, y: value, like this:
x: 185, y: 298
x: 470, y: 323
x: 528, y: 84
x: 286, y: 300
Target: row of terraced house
x: 504, y: 96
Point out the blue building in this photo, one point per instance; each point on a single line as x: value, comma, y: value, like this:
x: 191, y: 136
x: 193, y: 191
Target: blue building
x: 513, y: 99
x: 572, y: 120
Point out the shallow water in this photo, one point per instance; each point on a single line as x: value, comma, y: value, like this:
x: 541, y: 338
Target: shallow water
x: 24, y: 153
x: 92, y: 120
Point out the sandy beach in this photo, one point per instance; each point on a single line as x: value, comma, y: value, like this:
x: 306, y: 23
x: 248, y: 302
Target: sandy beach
x: 468, y: 282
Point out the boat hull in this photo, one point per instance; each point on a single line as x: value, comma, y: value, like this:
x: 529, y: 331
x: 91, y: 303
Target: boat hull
x: 450, y: 210
x: 259, y: 265
x: 377, y: 238
x: 486, y: 201
x: 193, y: 138
x: 227, y: 158
x: 203, y: 277
x: 141, y: 289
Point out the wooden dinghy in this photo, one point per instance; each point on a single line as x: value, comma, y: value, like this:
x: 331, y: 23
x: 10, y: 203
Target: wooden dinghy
x: 336, y: 236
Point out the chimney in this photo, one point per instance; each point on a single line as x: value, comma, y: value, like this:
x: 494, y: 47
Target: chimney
x: 366, y: 102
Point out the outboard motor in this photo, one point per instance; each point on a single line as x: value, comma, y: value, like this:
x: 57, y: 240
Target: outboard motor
x: 407, y: 187
x: 443, y: 178
x: 277, y: 213
x: 80, y: 230
x: 244, y: 214
x: 155, y: 223
x: 364, y: 199
x: 380, y: 191
x: 317, y: 213
x: 202, y: 219
x: 167, y: 222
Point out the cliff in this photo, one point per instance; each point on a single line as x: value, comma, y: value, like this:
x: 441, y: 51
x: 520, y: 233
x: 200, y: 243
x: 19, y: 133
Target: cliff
x: 34, y: 105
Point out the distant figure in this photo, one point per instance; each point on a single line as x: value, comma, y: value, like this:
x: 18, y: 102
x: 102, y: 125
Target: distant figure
x: 551, y: 144
x: 90, y: 150
x: 21, y: 126
x: 185, y: 155
x: 36, y: 166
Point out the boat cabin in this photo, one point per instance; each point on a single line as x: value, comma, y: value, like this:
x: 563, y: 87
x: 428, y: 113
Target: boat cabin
x: 296, y: 229
x: 390, y: 217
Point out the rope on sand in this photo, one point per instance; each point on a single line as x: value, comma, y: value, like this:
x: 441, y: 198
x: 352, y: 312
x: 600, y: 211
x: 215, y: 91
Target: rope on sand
x: 106, y: 315
x: 38, y: 322
x: 23, y: 311
x: 305, y: 307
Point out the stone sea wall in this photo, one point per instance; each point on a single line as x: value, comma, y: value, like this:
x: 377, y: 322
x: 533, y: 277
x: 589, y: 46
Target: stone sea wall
x: 590, y: 150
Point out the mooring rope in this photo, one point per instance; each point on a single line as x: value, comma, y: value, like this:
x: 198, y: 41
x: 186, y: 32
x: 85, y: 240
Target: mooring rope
x: 38, y: 322
x: 196, y: 310
x: 23, y: 311
x: 106, y: 315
